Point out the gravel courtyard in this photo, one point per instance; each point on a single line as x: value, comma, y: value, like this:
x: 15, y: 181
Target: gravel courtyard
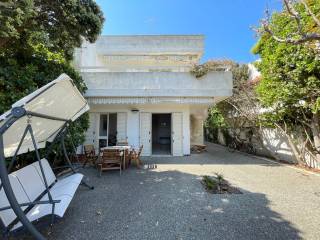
x: 168, y: 202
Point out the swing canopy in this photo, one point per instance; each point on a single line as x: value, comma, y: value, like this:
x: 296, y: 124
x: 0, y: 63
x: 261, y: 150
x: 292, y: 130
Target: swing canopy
x: 33, y: 192
x: 47, y: 109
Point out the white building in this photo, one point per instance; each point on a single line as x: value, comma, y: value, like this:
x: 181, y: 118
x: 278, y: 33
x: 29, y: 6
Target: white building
x: 140, y: 90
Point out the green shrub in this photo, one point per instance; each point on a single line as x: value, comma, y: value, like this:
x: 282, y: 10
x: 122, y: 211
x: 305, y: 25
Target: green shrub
x: 210, y: 183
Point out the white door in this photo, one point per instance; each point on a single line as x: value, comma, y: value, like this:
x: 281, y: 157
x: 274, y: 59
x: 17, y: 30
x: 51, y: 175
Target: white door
x: 91, y: 133
x: 121, y: 127
x: 145, y: 133
x: 177, y: 135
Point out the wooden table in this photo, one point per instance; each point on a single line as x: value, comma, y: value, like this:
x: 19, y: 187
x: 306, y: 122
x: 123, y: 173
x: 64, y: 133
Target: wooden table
x: 122, y: 149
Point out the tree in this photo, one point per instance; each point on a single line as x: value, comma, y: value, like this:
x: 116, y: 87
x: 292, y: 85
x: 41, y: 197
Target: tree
x: 37, y: 41
x: 60, y: 24
x: 304, y: 14
x: 290, y: 84
x: 240, y: 111
x: 17, y: 79
x: 243, y: 109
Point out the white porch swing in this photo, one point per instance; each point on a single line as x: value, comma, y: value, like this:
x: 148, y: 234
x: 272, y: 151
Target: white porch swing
x: 34, y: 191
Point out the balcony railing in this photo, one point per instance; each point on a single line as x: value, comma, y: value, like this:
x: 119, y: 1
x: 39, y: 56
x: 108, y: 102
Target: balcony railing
x: 159, y: 84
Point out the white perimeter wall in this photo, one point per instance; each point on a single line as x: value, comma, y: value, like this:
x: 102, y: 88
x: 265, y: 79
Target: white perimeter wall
x: 277, y: 143
x: 133, y: 119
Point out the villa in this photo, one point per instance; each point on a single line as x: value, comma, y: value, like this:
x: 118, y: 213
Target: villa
x: 140, y: 90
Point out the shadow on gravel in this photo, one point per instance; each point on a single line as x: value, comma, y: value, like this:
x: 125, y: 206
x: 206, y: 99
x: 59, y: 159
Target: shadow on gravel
x: 215, y: 155
x: 155, y: 204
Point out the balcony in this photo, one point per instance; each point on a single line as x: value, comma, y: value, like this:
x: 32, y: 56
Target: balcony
x: 157, y: 84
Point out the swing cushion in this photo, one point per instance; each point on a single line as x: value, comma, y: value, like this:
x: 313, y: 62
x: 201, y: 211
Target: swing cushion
x: 50, y: 177
x: 75, y: 178
x: 65, y: 186
x: 30, y: 181
x: 28, y: 184
x: 7, y: 216
x: 42, y: 210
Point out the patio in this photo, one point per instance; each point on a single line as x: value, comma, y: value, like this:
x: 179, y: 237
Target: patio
x: 168, y: 202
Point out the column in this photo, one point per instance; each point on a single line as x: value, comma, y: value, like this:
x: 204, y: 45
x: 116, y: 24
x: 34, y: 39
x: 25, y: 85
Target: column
x: 196, y: 129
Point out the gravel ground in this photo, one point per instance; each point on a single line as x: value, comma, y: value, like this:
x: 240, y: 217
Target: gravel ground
x: 168, y: 202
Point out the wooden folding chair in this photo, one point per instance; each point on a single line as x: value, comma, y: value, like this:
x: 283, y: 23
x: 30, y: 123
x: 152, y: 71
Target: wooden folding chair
x: 128, y: 158
x: 135, y: 156
x: 90, y: 154
x: 111, y: 159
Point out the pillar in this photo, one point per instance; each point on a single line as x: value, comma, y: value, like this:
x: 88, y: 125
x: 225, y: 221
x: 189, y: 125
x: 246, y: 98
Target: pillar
x: 196, y: 130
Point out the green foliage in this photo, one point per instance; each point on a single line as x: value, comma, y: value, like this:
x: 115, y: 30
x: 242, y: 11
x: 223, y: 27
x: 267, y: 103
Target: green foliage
x: 13, y: 16
x: 201, y: 70
x: 213, y: 184
x: 209, y: 183
x: 215, y: 119
x: 290, y: 82
x: 60, y: 25
x: 19, y: 77
x: 37, y: 40
x: 236, y: 110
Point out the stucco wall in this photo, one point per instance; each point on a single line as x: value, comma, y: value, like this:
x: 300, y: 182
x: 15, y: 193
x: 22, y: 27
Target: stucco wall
x: 152, y: 74
x: 140, y: 53
x: 215, y: 84
x: 277, y: 143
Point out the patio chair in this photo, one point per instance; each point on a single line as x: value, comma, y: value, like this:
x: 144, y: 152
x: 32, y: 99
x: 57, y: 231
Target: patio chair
x: 127, y: 158
x: 135, y: 156
x: 90, y: 155
x: 111, y: 159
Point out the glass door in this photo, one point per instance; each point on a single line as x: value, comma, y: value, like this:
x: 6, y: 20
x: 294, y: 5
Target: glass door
x: 107, y: 130
x: 112, y: 129
x: 103, y: 130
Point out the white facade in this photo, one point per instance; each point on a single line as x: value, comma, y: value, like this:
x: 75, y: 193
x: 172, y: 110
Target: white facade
x: 133, y: 81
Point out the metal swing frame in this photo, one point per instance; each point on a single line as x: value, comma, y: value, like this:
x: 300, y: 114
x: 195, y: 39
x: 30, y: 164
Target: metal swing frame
x: 17, y: 113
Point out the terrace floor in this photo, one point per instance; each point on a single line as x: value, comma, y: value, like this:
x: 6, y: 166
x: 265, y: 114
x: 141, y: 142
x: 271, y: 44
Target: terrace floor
x: 168, y: 202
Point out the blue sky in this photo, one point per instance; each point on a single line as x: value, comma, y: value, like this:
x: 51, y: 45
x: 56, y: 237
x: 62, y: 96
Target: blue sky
x: 225, y: 23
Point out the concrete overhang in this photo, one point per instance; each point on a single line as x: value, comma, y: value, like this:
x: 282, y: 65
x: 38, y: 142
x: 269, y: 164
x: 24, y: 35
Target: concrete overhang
x: 157, y: 84
x: 150, y: 44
